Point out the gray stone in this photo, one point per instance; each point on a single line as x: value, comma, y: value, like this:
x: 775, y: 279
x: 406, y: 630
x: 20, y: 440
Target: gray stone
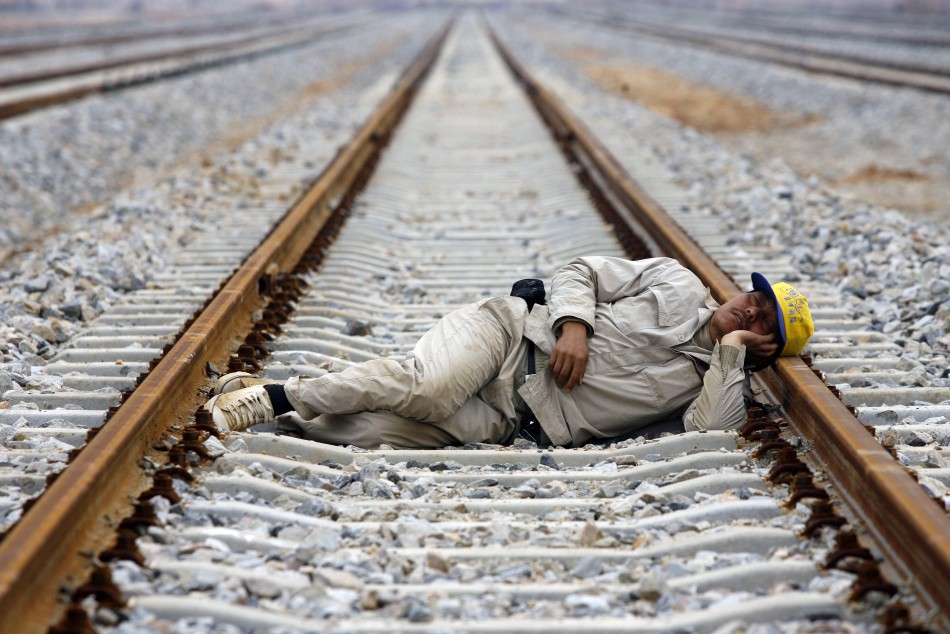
x: 687, y: 474
x: 588, y: 567
x: 339, y: 578
x: 652, y: 588
x: 27, y: 346
x: 581, y: 605
x: 37, y: 284
x: 106, y: 617
x: 263, y: 587
x: 6, y: 382
x: 415, y: 611
x: 919, y: 439
x: 368, y: 472
x: 355, y: 328
x: 448, y: 465
x: 315, y: 507
x: 611, y: 490
x: 517, y: 571
x: 376, y: 489
x: 61, y: 330
x: 318, y: 539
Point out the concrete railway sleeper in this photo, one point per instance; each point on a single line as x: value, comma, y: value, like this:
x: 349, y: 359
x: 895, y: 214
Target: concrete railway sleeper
x: 693, y: 531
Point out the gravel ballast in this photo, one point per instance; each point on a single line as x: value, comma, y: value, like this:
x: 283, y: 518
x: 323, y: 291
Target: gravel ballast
x: 61, y: 160
x: 884, y: 144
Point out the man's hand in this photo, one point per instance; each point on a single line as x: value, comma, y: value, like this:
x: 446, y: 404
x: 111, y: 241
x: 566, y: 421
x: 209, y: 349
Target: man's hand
x: 569, y: 358
x: 760, y: 349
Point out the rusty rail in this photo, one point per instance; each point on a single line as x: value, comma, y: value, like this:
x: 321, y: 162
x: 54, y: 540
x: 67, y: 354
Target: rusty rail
x: 843, y: 65
x: 79, y: 69
x: 173, y: 29
x: 41, y: 558
x: 905, y: 524
x: 229, y: 52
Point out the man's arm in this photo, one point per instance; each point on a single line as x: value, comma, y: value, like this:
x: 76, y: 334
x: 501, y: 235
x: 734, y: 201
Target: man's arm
x: 576, y: 290
x: 721, y: 403
x: 568, y: 360
x: 584, y: 282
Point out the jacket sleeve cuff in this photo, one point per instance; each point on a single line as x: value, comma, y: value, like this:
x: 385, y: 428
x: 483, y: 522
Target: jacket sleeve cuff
x: 729, y: 357
x: 560, y: 321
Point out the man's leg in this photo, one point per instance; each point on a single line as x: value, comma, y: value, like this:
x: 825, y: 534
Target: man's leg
x: 466, y: 351
x: 460, y: 355
x: 475, y: 421
x: 368, y: 430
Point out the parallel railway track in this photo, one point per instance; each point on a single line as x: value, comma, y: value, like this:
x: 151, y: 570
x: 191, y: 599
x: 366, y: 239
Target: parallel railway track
x: 636, y: 536
x: 919, y: 75
x: 884, y: 32
x: 924, y: 29
x: 27, y: 91
x: 122, y: 32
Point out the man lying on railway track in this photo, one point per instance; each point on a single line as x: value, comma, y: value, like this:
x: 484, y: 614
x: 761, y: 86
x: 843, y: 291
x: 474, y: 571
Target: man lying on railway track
x: 618, y: 346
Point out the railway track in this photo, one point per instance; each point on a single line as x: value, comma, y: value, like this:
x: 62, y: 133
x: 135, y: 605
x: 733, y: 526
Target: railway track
x: 864, y: 24
x: 26, y: 91
x: 123, y: 32
x: 881, y: 26
x: 911, y: 74
x: 919, y: 34
x: 262, y: 531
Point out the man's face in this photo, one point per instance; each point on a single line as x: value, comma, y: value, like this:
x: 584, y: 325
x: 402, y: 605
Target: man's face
x: 753, y: 311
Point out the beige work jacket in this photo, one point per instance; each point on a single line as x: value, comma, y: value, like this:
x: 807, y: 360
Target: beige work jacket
x: 643, y: 367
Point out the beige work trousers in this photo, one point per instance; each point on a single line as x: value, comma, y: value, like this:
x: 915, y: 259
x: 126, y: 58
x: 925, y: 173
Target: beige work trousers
x: 458, y: 385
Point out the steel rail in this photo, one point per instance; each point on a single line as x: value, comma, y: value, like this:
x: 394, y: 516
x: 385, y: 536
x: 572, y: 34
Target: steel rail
x: 79, y: 69
x: 906, y: 525
x: 170, y: 30
x: 842, y: 65
x: 715, y: 39
x: 839, y: 26
x: 850, y: 32
x: 228, y: 52
x: 41, y: 558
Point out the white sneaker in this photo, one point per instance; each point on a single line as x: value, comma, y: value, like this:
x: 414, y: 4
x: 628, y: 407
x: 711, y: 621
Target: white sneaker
x: 240, y: 409
x: 238, y: 381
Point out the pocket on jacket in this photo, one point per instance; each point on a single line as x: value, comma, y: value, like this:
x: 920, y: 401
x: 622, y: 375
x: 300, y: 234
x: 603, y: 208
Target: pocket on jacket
x: 676, y: 384
x: 632, y: 314
x: 610, y: 400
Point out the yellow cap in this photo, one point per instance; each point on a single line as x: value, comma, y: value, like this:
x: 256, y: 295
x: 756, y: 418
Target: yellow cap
x: 795, y: 325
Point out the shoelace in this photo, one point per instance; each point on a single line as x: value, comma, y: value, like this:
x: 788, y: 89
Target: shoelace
x: 250, y: 409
